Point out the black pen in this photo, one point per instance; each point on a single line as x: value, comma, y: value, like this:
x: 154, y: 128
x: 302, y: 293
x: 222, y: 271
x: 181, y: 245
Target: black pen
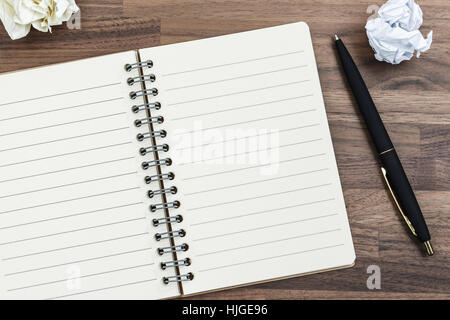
x: 392, y: 169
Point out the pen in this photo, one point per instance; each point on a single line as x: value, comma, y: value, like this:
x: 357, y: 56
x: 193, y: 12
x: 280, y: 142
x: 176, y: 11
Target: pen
x: 392, y: 169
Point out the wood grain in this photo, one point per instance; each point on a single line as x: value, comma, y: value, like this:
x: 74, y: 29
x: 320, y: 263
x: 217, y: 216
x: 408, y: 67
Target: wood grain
x: 412, y: 98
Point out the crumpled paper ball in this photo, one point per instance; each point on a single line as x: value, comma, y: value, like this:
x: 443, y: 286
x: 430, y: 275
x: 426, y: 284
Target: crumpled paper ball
x: 394, y: 34
x: 19, y: 15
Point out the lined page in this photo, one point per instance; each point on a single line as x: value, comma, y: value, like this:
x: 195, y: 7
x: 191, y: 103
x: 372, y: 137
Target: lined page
x: 252, y: 156
x: 73, y: 213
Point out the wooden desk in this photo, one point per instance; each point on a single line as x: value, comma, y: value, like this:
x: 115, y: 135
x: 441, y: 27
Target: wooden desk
x: 413, y: 99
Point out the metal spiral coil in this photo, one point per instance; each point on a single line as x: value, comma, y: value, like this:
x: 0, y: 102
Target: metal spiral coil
x: 172, y: 249
x: 155, y: 163
x: 171, y: 219
x: 143, y: 92
x: 176, y: 263
x: 140, y: 122
x: 184, y: 277
x: 158, y: 177
x: 146, y: 108
x: 165, y: 205
x: 151, y: 134
x: 171, y: 190
x: 160, y: 147
x: 170, y: 234
x: 137, y: 65
x: 145, y: 78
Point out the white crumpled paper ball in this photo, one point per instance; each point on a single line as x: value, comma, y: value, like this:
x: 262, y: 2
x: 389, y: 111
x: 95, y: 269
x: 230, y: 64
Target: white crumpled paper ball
x: 19, y: 15
x: 394, y: 34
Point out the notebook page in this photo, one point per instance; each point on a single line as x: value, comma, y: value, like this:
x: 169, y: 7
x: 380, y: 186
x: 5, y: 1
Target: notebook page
x: 73, y: 212
x: 252, y: 156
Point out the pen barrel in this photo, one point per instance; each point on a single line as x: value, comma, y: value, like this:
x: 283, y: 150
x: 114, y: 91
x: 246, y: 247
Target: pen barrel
x: 367, y: 108
x: 405, y: 196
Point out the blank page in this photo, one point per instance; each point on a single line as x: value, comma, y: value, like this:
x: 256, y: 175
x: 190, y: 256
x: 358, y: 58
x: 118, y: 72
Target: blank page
x: 252, y: 156
x: 73, y: 211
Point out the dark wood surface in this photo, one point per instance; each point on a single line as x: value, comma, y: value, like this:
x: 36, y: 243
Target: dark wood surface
x: 413, y: 99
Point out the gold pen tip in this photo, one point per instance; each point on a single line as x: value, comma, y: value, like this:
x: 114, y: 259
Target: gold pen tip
x: 429, y: 248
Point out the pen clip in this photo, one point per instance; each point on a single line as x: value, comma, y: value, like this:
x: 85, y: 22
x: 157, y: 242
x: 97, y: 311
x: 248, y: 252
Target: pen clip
x: 383, y: 171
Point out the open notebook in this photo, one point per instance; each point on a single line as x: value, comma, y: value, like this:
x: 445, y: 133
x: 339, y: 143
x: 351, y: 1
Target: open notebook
x: 197, y: 166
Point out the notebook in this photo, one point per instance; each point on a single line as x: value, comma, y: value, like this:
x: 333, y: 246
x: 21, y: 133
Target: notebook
x: 169, y: 171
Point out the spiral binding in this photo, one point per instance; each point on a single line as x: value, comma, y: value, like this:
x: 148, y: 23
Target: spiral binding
x: 170, y: 219
x: 170, y: 234
x: 159, y: 178
x: 183, y: 277
x: 176, y: 263
x: 154, y: 163
x: 160, y: 147
x: 137, y: 65
x: 165, y: 205
x: 153, y: 134
x: 146, y: 106
x: 148, y: 77
x: 171, y: 190
x: 148, y: 120
x: 172, y: 249
x: 143, y: 92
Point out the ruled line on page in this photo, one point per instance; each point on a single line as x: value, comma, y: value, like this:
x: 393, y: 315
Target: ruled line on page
x: 69, y: 184
x: 72, y: 231
x: 65, y: 139
x: 102, y: 289
x: 258, y: 197
x: 251, y: 167
x: 76, y: 261
x: 69, y: 200
x: 246, y: 137
x: 237, y: 93
x: 236, y: 78
x: 232, y: 63
x: 273, y: 257
x: 259, y: 228
x: 256, y: 181
x: 276, y: 210
x: 60, y: 94
x: 66, y: 169
x: 71, y: 215
x: 240, y: 108
x: 268, y: 242
x: 248, y: 121
x: 61, y: 109
x: 253, y: 151
x: 75, y: 246
x: 85, y: 276
x: 64, y: 124
x: 67, y: 154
